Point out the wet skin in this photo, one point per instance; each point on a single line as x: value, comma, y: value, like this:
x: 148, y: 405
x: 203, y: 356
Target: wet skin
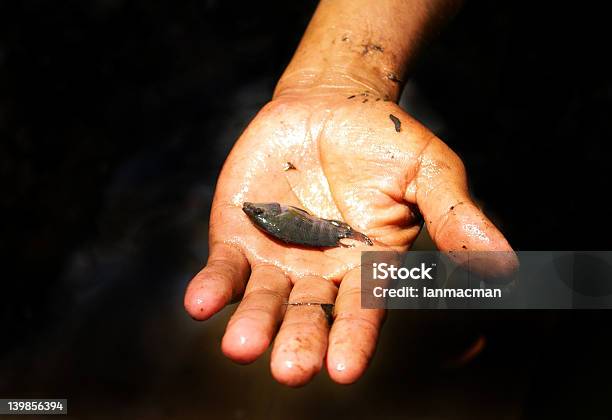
x: 350, y: 165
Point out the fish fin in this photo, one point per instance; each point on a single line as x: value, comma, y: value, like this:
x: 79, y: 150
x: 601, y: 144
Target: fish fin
x: 351, y: 244
x: 358, y: 236
x: 338, y: 223
x: 298, y: 210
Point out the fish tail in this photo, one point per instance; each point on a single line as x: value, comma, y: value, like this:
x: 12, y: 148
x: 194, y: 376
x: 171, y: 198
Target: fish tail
x: 358, y: 236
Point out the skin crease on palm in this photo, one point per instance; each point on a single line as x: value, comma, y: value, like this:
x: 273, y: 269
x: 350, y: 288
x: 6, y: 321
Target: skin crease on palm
x: 350, y: 165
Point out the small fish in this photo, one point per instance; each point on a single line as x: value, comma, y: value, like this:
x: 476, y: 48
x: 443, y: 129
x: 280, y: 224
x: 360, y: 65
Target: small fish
x: 296, y: 226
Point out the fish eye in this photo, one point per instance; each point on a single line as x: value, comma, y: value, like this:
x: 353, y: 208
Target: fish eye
x: 258, y: 211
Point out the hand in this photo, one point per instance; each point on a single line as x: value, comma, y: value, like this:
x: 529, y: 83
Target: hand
x: 351, y: 165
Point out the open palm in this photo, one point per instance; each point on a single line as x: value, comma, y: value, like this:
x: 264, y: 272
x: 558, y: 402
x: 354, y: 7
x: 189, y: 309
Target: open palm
x: 348, y: 163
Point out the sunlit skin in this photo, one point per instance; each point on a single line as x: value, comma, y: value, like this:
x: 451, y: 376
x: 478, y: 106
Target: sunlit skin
x: 350, y: 164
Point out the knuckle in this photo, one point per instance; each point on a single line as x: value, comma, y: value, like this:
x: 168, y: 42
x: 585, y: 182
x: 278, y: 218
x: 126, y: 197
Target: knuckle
x: 255, y: 313
x: 356, y: 320
x: 263, y: 294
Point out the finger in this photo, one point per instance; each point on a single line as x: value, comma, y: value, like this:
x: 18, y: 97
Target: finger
x: 301, y: 343
x: 454, y: 222
x: 354, y: 333
x: 222, y: 279
x: 250, y: 330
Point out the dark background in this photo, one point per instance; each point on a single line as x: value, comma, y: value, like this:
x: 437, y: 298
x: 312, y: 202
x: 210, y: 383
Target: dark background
x: 115, y: 118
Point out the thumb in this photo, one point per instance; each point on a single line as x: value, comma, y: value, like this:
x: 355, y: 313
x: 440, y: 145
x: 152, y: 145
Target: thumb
x: 454, y: 222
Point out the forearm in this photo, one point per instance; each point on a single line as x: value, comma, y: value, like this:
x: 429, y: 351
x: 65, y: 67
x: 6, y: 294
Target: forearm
x: 362, y: 45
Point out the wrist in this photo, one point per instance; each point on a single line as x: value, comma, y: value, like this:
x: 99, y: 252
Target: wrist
x: 354, y: 46
x: 338, y: 80
x: 345, y: 60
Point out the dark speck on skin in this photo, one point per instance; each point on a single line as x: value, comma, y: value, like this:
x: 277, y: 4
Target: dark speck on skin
x: 393, y: 77
x: 452, y: 207
x: 396, y: 122
x: 463, y: 246
x: 351, y: 97
x: 365, y: 100
x: 372, y: 47
x: 288, y: 166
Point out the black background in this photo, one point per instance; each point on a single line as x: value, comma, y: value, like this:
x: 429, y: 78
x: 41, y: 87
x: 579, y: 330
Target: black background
x: 115, y: 118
